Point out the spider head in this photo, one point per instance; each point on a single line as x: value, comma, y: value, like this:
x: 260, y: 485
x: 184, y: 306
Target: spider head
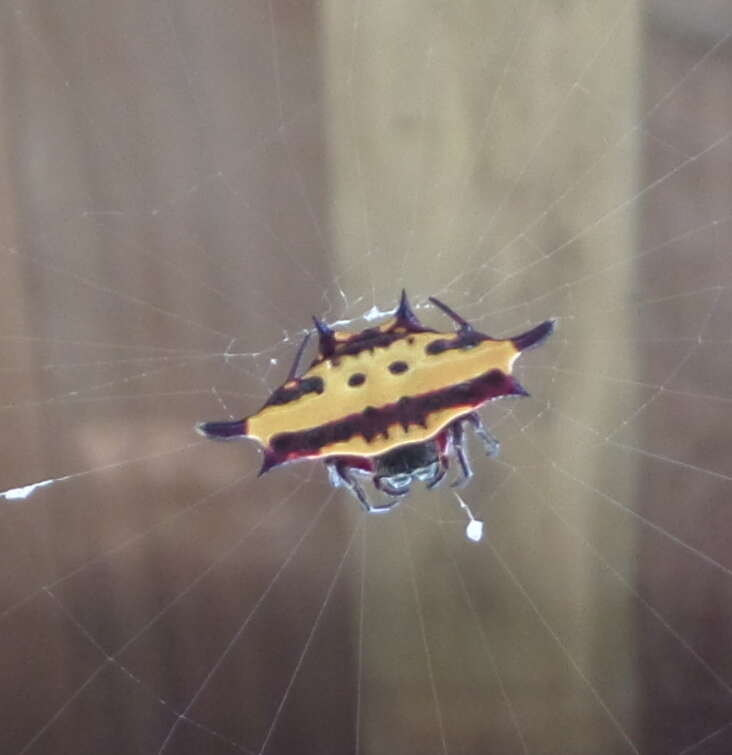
x: 397, y: 470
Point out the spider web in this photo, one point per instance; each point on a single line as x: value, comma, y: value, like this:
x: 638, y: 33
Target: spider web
x: 183, y: 186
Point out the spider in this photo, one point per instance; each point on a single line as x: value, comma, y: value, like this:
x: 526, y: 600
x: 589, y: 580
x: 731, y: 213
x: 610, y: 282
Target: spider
x: 388, y: 403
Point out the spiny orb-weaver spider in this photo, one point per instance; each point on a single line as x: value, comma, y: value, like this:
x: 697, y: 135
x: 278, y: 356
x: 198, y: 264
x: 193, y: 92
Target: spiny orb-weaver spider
x: 388, y: 402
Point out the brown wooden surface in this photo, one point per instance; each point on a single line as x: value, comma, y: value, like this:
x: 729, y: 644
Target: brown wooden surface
x: 181, y: 186
x: 462, y: 154
x: 698, y: 599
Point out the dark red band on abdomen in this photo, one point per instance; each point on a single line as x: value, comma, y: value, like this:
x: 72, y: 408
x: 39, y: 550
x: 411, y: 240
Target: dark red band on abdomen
x: 408, y: 411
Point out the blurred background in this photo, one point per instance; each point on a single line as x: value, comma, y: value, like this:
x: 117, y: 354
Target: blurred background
x: 182, y: 185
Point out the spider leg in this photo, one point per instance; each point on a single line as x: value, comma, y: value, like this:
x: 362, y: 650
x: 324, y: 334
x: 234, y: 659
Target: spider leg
x: 491, y: 443
x: 340, y: 476
x: 443, y: 460
x: 386, y: 489
x: 334, y: 477
x: 439, y: 474
x: 462, y: 457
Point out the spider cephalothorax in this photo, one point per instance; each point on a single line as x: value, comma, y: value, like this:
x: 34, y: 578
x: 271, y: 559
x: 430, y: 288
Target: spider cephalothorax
x: 388, y: 402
